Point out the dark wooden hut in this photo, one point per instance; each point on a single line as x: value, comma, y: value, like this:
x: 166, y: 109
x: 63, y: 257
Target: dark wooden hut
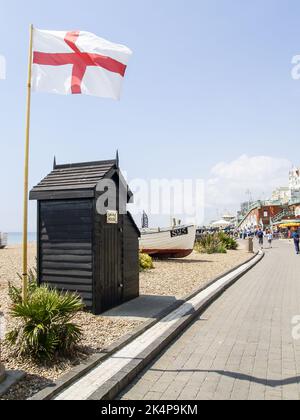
x: 80, y: 250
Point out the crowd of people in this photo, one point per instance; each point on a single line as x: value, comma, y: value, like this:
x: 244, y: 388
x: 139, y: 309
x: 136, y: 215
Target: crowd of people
x: 263, y: 236
x: 269, y: 236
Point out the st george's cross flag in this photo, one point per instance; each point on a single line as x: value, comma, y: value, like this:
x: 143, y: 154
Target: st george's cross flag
x: 77, y: 63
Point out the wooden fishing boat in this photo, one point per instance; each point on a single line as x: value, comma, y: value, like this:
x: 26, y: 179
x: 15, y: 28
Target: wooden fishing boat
x: 3, y: 240
x: 175, y: 242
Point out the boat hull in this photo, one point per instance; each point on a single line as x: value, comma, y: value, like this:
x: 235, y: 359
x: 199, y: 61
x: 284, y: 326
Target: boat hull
x: 171, y: 243
x: 168, y: 253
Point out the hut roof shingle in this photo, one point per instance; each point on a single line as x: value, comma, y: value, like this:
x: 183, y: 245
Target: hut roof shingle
x: 65, y: 180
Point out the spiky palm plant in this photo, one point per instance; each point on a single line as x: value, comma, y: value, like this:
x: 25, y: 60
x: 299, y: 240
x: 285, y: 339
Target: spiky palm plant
x: 46, y: 327
x: 15, y: 293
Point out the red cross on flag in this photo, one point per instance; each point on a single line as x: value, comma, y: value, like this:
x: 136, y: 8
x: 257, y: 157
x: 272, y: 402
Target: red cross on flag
x: 78, y: 63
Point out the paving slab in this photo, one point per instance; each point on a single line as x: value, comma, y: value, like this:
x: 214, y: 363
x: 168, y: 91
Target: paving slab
x: 11, y: 378
x: 242, y: 347
x: 143, y: 308
x: 109, y: 378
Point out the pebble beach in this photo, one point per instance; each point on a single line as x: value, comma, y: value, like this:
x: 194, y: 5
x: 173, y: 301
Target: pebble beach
x: 169, y: 278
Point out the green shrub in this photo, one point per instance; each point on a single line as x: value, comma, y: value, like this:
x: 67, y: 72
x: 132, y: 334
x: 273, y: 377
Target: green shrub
x: 229, y: 242
x: 222, y: 249
x: 146, y: 262
x: 45, y: 328
x: 217, y: 243
x: 210, y: 244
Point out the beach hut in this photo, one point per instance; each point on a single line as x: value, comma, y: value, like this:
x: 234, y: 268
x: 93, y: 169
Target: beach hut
x: 81, y: 249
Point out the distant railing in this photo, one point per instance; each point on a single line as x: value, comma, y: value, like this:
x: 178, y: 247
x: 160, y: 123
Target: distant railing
x: 285, y: 213
x: 295, y: 201
x: 264, y: 203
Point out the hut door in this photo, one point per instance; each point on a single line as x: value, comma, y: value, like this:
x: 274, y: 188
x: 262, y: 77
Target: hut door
x: 112, y: 266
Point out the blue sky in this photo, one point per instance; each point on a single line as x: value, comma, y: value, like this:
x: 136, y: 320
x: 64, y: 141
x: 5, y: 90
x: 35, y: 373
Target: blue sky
x: 210, y: 81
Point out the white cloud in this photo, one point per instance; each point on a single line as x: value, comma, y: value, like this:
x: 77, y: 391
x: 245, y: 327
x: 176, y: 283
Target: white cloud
x: 228, y: 183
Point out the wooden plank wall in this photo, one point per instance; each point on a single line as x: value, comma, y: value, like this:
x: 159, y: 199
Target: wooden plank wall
x: 130, y: 260
x: 66, y: 246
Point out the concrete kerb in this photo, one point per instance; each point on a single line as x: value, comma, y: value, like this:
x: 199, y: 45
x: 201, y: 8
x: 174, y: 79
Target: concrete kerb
x: 92, y: 362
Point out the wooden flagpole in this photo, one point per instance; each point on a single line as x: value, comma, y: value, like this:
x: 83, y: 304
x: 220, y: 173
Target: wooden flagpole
x: 26, y: 172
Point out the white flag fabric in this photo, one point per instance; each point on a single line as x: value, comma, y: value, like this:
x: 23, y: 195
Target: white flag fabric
x: 77, y: 63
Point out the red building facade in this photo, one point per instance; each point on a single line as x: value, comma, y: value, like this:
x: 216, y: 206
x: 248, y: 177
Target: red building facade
x: 261, y: 216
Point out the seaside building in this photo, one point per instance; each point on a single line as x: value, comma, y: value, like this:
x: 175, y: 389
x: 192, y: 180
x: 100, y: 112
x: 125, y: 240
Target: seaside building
x: 261, y: 215
x: 294, y: 179
x: 226, y: 221
x: 283, y: 209
x: 282, y: 194
x: 286, y: 195
x: 294, y: 185
x: 229, y: 218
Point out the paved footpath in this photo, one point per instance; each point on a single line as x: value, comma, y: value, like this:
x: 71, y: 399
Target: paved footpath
x: 242, y: 347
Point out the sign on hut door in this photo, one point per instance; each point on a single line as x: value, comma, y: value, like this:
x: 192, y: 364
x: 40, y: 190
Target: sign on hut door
x: 112, y: 217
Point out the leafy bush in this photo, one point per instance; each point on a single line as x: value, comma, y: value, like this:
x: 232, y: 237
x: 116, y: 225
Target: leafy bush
x: 146, y: 262
x: 210, y: 244
x: 229, y: 242
x: 45, y: 328
x: 217, y: 243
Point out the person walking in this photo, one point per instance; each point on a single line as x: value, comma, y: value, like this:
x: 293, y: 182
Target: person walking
x: 260, y: 235
x: 270, y: 238
x: 296, y: 237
